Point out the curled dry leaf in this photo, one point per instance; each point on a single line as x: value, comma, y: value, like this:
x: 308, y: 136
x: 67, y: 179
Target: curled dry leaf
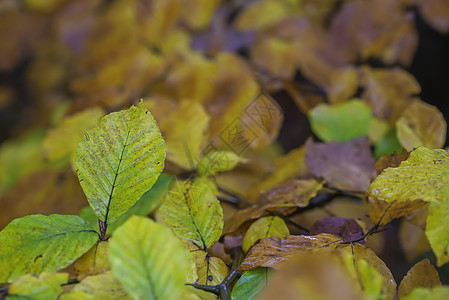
x: 346, y: 166
x: 273, y: 251
x: 393, y: 160
x: 422, y: 274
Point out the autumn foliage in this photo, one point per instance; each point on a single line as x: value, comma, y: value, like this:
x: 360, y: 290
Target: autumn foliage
x: 142, y: 157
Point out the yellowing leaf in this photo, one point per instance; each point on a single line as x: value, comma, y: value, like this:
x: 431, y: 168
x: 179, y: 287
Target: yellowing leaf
x: 63, y: 140
x: 93, y: 262
x: 341, y: 122
x: 261, y: 14
x: 103, y: 286
x: 45, y: 286
x: 250, y: 284
x: 119, y: 160
x: 383, y: 212
x: 423, y: 176
x: 37, y: 243
x: 421, y: 124
x: 273, y: 251
x: 422, y: 274
x: 193, y: 212
x: 264, y: 228
x: 217, y: 161
x: 148, y: 260
x: 191, y: 293
x: 79, y: 295
x: 212, y: 271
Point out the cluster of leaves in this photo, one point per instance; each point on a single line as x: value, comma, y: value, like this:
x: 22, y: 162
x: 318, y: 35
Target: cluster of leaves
x: 231, y: 216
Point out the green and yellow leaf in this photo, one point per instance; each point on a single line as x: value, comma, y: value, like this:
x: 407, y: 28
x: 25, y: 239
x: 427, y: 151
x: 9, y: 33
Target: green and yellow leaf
x: 38, y: 243
x: 264, y: 228
x: 119, y: 160
x: 43, y: 287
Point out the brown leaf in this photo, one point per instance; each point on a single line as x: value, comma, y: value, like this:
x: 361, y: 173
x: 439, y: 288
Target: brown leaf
x: 348, y: 229
x: 422, y: 274
x: 273, y: 251
x: 389, y: 211
x: 344, y: 84
x: 393, y: 160
x: 345, y: 166
x: 413, y: 240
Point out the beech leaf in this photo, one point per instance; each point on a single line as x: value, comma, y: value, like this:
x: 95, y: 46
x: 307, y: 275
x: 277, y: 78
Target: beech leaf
x: 193, y: 212
x: 119, y: 160
x: 423, y: 176
x: 37, y: 243
x: 103, y: 286
x: 341, y: 122
x: 212, y: 271
x: 422, y: 274
x: 250, y: 284
x: 149, y: 261
x: 264, y: 228
x: 45, y: 286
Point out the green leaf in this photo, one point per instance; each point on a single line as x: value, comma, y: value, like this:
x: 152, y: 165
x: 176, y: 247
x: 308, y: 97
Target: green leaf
x: 46, y: 286
x: 341, y: 122
x: 250, y: 284
x: 103, y: 286
x: 37, y: 243
x: 79, y: 295
x: 193, y: 212
x: 424, y: 175
x: 439, y: 292
x: 264, y: 228
x: 388, y: 144
x: 148, y: 260
x: 119, y: 160
x: 145, y: 205
x: 217, y: 161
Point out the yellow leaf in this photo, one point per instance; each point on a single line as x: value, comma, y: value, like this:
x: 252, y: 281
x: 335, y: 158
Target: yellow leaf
x: 264, y: 228
x: 217, y: 161
x: 45, y: 286
x: 93, y: 262
x: 437, y: 225
x: 103, y: 286
x: 423, y: 176
x: 212, y: 271
x: 421, y: 124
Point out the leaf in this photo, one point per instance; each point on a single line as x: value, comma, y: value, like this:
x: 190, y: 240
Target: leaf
x: 313, y: 275
x: 63, y: 140
x: 191, y: 293
x: 388, y: 144
x: 264, y: 228
x: 79, y: 295
x: 346, y: 166
x: 184, y: 130
x: 348, y: 229
x: 437, y: 230
x: 212, y: 271
x: 250, y: 284
x: 383, y: 212
x: 273, y: 251
x: 424, y: 175
x: 119, y: 160
x: 341, y: 122
x: 37, y: 243
x: 93, y: 262
x: 422, y: 274
x: 148, y: 260
x: 439, y: 292
x: 45, y: 286
x: 193, y: 212
x: 421, y: 124
x: 144, y: 206
x: 103, y: 286
x: 435, y: 14
x: 217, y: 161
